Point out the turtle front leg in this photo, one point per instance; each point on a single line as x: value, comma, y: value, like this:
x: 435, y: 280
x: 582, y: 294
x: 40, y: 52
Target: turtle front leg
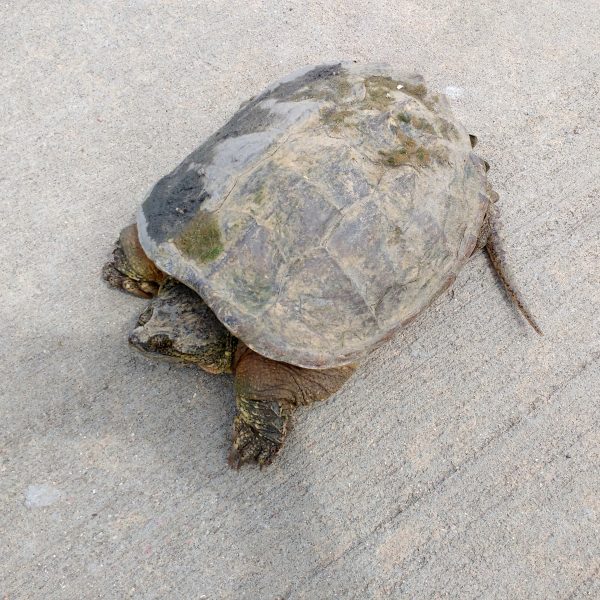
x: 130, y: 269
x: 266, y: 393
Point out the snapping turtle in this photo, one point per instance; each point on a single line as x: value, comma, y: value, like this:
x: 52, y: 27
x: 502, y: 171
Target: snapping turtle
x: 327, y: 213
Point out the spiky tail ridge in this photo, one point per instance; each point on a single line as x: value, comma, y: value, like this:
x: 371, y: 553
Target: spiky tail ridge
x: 497, y: 256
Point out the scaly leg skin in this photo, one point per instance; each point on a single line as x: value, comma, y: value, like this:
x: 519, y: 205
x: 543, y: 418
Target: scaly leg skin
x: 130, y: 269
x: 267, y: 393
x: 490, y: 239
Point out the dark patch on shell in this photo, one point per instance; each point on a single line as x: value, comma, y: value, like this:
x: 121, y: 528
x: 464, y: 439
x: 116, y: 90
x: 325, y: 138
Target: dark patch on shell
x: 289, y: 88
x: 177, y: 195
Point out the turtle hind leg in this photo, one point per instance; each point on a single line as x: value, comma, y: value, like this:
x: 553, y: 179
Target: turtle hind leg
x: 267, y: 392
x: 491, y: 240
x: 130, y: 269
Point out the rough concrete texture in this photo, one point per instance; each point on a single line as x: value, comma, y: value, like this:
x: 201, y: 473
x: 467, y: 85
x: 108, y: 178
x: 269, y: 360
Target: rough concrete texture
x: 463, y: 459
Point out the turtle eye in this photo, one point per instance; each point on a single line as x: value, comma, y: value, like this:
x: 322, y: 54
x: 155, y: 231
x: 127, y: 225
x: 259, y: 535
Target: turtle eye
x: 145, y: 316
x: 161, y: 341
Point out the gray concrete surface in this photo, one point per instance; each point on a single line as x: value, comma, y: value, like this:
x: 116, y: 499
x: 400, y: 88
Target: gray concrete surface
x: 463, y: 459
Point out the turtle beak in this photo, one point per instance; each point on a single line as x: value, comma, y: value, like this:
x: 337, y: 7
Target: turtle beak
x: 138, y: 339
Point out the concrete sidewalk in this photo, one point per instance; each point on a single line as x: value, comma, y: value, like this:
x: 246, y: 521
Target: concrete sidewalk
x: 463, y: 461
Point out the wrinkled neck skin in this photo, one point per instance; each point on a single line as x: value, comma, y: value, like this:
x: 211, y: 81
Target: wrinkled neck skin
x: 240, y: 353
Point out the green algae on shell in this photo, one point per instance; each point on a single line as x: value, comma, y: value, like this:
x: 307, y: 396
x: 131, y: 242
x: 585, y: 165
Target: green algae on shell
x: 201, y: 238
x: 378, y: 88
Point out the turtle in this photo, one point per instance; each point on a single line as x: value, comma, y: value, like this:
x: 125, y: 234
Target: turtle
x: 326, y: 214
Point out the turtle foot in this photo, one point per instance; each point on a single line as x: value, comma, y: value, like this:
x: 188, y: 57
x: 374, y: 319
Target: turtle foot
x: 249, y: 446
x: 117, y: 280
x: 130, y: 269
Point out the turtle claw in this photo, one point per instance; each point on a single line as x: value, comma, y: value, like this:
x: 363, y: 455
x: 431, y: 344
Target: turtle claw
x: 116, y: 279
x: 130, y: 270
x: 249, y: 446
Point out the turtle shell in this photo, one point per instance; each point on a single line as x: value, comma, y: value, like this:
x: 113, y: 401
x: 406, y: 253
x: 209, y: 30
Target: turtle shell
x: 329, y: 211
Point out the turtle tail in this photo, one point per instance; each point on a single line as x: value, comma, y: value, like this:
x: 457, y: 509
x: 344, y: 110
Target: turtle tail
x: 497, y: 256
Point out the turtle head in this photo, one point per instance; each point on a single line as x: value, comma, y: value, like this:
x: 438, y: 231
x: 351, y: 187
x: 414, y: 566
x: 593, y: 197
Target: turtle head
x: 178, y: 325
